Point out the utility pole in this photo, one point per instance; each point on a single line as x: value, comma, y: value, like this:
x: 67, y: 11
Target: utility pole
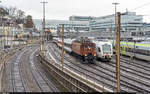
x: 8, y: 32
x: 1, y: 32
x: 115, y: 17
x: 115, y: 12
x: 62, y: 59
x: 71, y: 30
x: 2, y: 36
x: 118, y: 52
x: 115, y: 28
x: 111, y: 37
x: 43, y: 29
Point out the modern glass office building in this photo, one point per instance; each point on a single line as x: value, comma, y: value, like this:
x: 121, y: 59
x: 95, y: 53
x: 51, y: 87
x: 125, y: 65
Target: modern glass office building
x: 129, y: 22
x: 57, y: 24
x: 81, y: 18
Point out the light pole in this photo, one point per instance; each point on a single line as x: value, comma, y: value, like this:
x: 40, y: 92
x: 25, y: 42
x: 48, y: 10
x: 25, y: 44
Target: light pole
x: 115, y: 11
x: 1, y: 33
x: 115, y: 3
x: 42, y: 45
x: 117, y: 47
x: 118, y: 51
x: 62, y: 59
x: 111, y: 37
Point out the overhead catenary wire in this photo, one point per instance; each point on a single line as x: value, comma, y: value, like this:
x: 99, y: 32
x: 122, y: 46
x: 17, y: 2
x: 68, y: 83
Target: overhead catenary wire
x: 143, y: 5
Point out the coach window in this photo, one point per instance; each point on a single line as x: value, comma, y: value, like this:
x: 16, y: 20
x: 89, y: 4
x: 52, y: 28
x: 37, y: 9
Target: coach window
x: 99, y: 49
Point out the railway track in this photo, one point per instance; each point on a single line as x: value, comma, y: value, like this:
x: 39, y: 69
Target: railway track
x: 24, y: 74
x: 126, y: 77
x: 140, y: 64
x: 136, y: 72
x: 43, y: 82
x: 80, y: 70
x: 17, y: 82
x: 45, y: 76
x: 129, y: 67
x: 136, y: 68
x: 106, y: 73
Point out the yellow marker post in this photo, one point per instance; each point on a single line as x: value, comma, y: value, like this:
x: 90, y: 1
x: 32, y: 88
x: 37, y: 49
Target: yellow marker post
x: 64, y: 52
x: 124, y: 50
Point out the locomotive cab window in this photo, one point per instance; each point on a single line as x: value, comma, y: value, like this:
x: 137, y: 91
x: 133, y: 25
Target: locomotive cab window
x: 99, y: 49
x: 89, y: 46
x: 85, y: 46
x: 92, y: 46
x: 106, y: 48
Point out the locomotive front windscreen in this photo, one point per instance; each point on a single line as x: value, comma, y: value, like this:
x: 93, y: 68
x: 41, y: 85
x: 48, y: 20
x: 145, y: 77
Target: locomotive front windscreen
x: 89, y: 46
x: 106, y: 48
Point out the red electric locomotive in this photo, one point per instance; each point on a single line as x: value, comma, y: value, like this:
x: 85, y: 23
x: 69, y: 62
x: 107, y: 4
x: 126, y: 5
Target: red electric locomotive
x: 85, y: 49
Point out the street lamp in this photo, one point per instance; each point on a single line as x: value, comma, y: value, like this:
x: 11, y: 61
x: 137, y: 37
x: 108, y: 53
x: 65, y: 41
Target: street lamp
x: 117, y: 48
x: 1, y: 32
x: 42, y: 46
x: 115, y: 11
x: 115, y: 3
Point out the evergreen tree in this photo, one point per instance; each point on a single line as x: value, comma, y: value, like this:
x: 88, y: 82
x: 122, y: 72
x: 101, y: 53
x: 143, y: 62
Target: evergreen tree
x: 29, y: 22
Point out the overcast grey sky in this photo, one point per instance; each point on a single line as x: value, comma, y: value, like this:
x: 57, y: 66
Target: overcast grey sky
x: 62, y: 9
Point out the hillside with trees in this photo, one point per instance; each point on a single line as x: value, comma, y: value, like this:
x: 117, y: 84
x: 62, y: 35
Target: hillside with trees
x: 13, y: 16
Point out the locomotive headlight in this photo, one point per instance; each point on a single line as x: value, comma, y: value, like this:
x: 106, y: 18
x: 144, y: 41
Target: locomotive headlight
x: 85, y: 55
x: 94, y: 54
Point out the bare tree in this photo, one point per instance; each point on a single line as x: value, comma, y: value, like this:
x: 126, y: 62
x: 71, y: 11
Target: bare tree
x: 20, y: 14
x: 11, y: 11
x: 3, y: 11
